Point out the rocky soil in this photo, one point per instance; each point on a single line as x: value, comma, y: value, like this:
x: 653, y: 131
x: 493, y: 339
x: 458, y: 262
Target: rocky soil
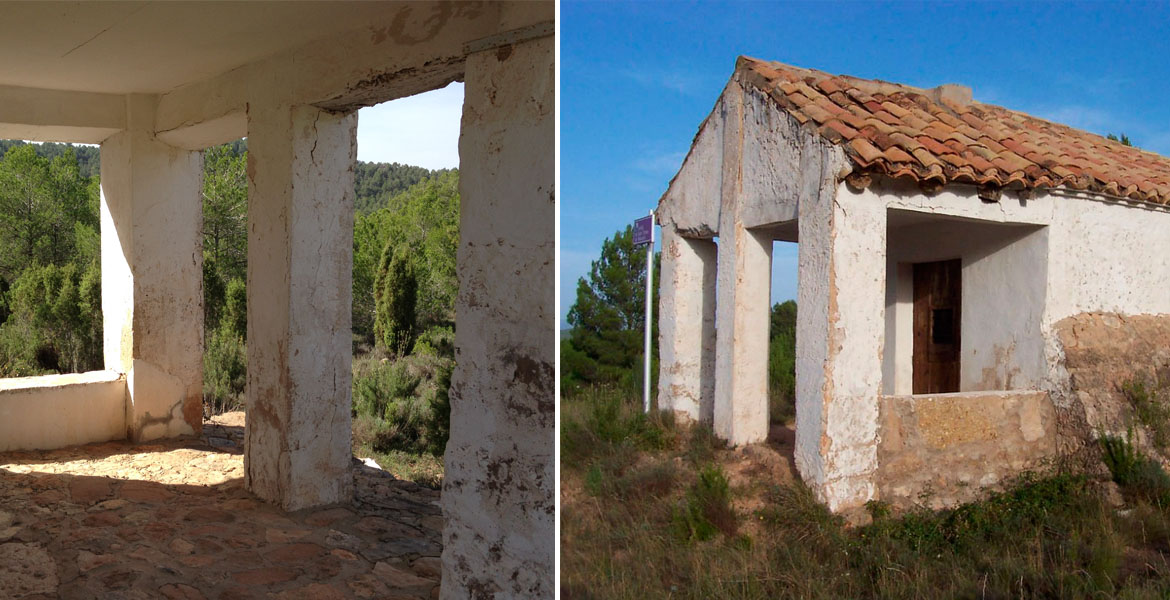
x: 172, y: 520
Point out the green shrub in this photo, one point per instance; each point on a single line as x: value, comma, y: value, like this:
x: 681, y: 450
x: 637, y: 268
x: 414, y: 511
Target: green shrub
x: 1150, y: 408
x: 407, y: 399
x: 1137, y: 474
x: 707, y: 509
x: 438, y: 340
x: 225, y: 371
x: 235, y: 312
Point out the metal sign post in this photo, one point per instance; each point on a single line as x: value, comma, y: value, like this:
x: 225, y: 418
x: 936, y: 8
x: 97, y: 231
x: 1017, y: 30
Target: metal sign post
x: 644, y: 234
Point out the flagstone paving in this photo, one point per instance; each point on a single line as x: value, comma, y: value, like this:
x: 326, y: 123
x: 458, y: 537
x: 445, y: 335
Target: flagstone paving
x: 172, y: 520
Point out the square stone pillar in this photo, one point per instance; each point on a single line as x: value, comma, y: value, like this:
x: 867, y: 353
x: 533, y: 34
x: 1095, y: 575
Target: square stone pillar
x: 498, y: 488
x: 152, y: 275
x: 686, y: 326
x: 300, y: 260
x: 840, y: 336
x: 743, y: 318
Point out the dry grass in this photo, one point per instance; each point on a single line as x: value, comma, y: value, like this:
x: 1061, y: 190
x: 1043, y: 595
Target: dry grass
x: 652, y: 509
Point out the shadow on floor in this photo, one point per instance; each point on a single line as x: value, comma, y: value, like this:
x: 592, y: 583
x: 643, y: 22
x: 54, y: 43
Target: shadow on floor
x: 172, y: 519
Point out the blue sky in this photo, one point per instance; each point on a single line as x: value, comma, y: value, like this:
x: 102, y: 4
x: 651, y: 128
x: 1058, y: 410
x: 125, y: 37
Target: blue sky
x: 638, y: 78
x: 421, y: 130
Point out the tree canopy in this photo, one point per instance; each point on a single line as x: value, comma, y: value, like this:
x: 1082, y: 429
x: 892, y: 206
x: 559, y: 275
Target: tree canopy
x: 608, y: 318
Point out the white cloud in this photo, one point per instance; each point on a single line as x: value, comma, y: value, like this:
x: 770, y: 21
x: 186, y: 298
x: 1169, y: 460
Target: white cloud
x: 420, y: 130
x: 681, y: 81
x: 668, y: 162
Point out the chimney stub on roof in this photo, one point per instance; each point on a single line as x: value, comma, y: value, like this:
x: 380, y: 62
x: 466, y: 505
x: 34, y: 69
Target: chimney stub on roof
x: 952, y: 93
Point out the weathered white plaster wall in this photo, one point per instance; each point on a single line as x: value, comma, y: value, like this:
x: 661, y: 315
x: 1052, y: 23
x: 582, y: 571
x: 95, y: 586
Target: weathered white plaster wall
x: 856, y: 332
x: 59, y: 116
x: 416, y: 47
x: 686, y: 330
x: 1004, y: 286
x: 54, y: 411
x: 691, y: 203
x: 1107, y: 257
x: 300, y: 257
x: 742, y: 307
x: 498, y: 489
x: 773, y: 162
x: 152, y: 277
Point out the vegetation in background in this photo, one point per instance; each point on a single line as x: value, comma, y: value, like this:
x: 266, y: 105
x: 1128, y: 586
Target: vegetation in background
x: 782, y: 363
x: 376, y: 183
x: 404, y: 325
x: 88, y: 157
x: 1124, y: 139
x: 50, y: 288
x: 225, y: 264
x: 605, y: 344
x: 641, y: 504
x: 50, y: 267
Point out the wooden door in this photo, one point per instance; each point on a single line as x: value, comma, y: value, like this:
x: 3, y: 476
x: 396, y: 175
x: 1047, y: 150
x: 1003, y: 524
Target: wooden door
x: 938, y: 292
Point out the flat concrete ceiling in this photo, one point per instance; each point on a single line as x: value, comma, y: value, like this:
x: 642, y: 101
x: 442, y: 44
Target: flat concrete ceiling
x: 155, y: 47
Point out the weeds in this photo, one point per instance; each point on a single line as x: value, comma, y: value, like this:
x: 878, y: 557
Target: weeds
x: 1135, y: 472
x: 1151, y: 409
x: 707, y: 510
x: 657, y: 519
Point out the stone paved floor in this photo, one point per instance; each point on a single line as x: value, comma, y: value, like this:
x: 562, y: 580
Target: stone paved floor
x: 172, y: 520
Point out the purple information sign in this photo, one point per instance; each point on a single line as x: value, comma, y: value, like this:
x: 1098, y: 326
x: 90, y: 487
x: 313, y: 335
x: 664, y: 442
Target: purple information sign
x: 644, y: 231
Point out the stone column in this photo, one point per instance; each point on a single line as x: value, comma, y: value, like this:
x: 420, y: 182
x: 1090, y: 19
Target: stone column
x: 300, y: 261
x: 840, y: 336
x: 152, y: 275
x: 498, y: 496
x: 743, y: 317
x: 686, y: 326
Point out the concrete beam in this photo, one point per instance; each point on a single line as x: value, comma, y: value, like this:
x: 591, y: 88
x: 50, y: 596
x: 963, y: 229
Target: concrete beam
x: 300, y: 257
x: 686, y: 326
x: 419, y: 48
x: 152, y: 276
x: 60, y: 116
x: 498, y: 490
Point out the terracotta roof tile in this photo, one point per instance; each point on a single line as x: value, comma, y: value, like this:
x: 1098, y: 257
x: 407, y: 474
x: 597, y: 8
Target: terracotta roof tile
x: 941, y: 135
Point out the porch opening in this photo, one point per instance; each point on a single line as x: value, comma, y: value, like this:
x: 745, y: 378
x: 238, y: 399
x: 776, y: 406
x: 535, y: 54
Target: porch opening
x: 50, y: 259
x: 964, y: 300
x: 225, y: 275
x: 782, y: 334
x: 406, y: 231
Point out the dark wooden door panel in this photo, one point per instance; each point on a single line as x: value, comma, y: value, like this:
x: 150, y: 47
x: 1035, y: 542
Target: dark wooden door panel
x: 938, y: 293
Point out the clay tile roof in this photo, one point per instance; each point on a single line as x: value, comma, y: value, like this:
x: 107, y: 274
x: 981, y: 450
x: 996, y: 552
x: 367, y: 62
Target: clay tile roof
x: 943, y: 135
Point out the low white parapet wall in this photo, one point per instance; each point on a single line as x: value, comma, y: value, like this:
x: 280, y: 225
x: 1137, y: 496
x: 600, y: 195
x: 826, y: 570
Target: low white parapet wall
x: 55, y: 411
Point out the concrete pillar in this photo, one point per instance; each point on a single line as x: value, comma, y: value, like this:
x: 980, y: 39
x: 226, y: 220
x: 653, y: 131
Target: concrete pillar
x: 840, y: 336
x: 300, y: 260
x: 152, y: 279
x: 498, y: 488
x: 686, y: 326
x: 743, y: 318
